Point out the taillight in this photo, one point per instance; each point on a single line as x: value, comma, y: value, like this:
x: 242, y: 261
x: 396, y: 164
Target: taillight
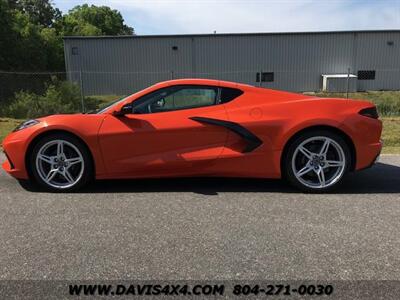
x: 369, y: 112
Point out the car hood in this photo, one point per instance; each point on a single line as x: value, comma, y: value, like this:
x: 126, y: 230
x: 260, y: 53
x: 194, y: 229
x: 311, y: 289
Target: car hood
x: 67, y: 117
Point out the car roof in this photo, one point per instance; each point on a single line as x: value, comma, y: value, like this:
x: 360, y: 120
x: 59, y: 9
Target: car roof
x: 201, y: 81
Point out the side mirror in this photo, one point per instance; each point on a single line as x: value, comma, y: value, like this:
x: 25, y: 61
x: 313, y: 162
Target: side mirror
x: 125, y: 110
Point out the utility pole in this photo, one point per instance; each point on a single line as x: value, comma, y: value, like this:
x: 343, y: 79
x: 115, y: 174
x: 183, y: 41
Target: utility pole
x: 347, y: 83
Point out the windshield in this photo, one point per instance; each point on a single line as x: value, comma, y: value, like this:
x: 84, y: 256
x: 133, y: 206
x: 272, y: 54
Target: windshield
x: 106, y: 106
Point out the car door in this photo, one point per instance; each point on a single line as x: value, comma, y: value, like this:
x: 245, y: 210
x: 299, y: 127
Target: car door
x: 160, y: 138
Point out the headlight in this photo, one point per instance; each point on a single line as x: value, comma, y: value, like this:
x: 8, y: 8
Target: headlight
x: 26, y: 124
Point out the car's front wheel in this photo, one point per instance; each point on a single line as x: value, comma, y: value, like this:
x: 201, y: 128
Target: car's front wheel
x: 317, y: 160
x: 60, y: 162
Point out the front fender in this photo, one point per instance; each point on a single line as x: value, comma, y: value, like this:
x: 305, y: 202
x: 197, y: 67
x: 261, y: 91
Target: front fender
x: 18, y: 144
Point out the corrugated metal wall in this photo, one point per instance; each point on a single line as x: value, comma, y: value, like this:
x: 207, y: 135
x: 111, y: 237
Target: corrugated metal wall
x: 123, y: 65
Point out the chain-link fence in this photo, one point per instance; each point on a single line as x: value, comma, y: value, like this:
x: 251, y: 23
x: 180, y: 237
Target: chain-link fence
x: 89, y: 89
x: 35, y: 82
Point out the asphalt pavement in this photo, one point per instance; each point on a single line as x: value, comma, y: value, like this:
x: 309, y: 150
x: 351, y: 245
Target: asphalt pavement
x: 173, y: 229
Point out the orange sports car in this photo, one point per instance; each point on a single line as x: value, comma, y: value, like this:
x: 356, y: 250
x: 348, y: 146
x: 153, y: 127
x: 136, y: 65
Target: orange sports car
x: 199, y: 127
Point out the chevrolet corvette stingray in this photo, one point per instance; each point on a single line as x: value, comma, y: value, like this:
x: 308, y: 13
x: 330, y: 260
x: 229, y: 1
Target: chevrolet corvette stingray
x: 199, y: 127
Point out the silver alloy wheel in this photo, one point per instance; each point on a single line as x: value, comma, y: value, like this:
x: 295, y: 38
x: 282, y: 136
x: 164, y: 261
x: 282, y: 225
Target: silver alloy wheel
x: 60, y: 164
x: 318, y: 162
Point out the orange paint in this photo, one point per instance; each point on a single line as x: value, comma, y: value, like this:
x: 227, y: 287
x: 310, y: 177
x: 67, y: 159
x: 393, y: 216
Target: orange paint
x: 171, y: 144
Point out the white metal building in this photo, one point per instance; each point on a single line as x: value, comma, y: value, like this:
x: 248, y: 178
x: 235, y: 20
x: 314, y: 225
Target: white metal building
x: 288, y: 61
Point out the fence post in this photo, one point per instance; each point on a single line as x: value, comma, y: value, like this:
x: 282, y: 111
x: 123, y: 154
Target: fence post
x: 81, y: 88
x: 347, y: 83
x: 172, y: 75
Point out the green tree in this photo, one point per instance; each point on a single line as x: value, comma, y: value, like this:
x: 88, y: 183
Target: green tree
x: 94, y: 20
x: 31, y: 32
x: 24, y: 38
x: 30, y: 52
x: 39, y: 12
x: 8, y: 36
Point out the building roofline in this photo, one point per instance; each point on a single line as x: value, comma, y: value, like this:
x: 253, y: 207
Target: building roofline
x: 228, y: 34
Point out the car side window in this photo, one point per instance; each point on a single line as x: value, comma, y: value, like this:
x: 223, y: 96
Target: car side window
x: 229, y: 94
x: 178, y: 98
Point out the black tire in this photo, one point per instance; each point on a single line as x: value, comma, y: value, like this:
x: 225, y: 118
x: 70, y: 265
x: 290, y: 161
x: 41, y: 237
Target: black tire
x: 287, y: 166
x: 86, y: 174
x: 28, y: 185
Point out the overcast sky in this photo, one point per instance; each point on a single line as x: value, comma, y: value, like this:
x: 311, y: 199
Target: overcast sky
x: 227, y: 16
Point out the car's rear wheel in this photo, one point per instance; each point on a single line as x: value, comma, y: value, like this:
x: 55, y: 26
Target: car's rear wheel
x: 60, y: 162
x: 316, y: 161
